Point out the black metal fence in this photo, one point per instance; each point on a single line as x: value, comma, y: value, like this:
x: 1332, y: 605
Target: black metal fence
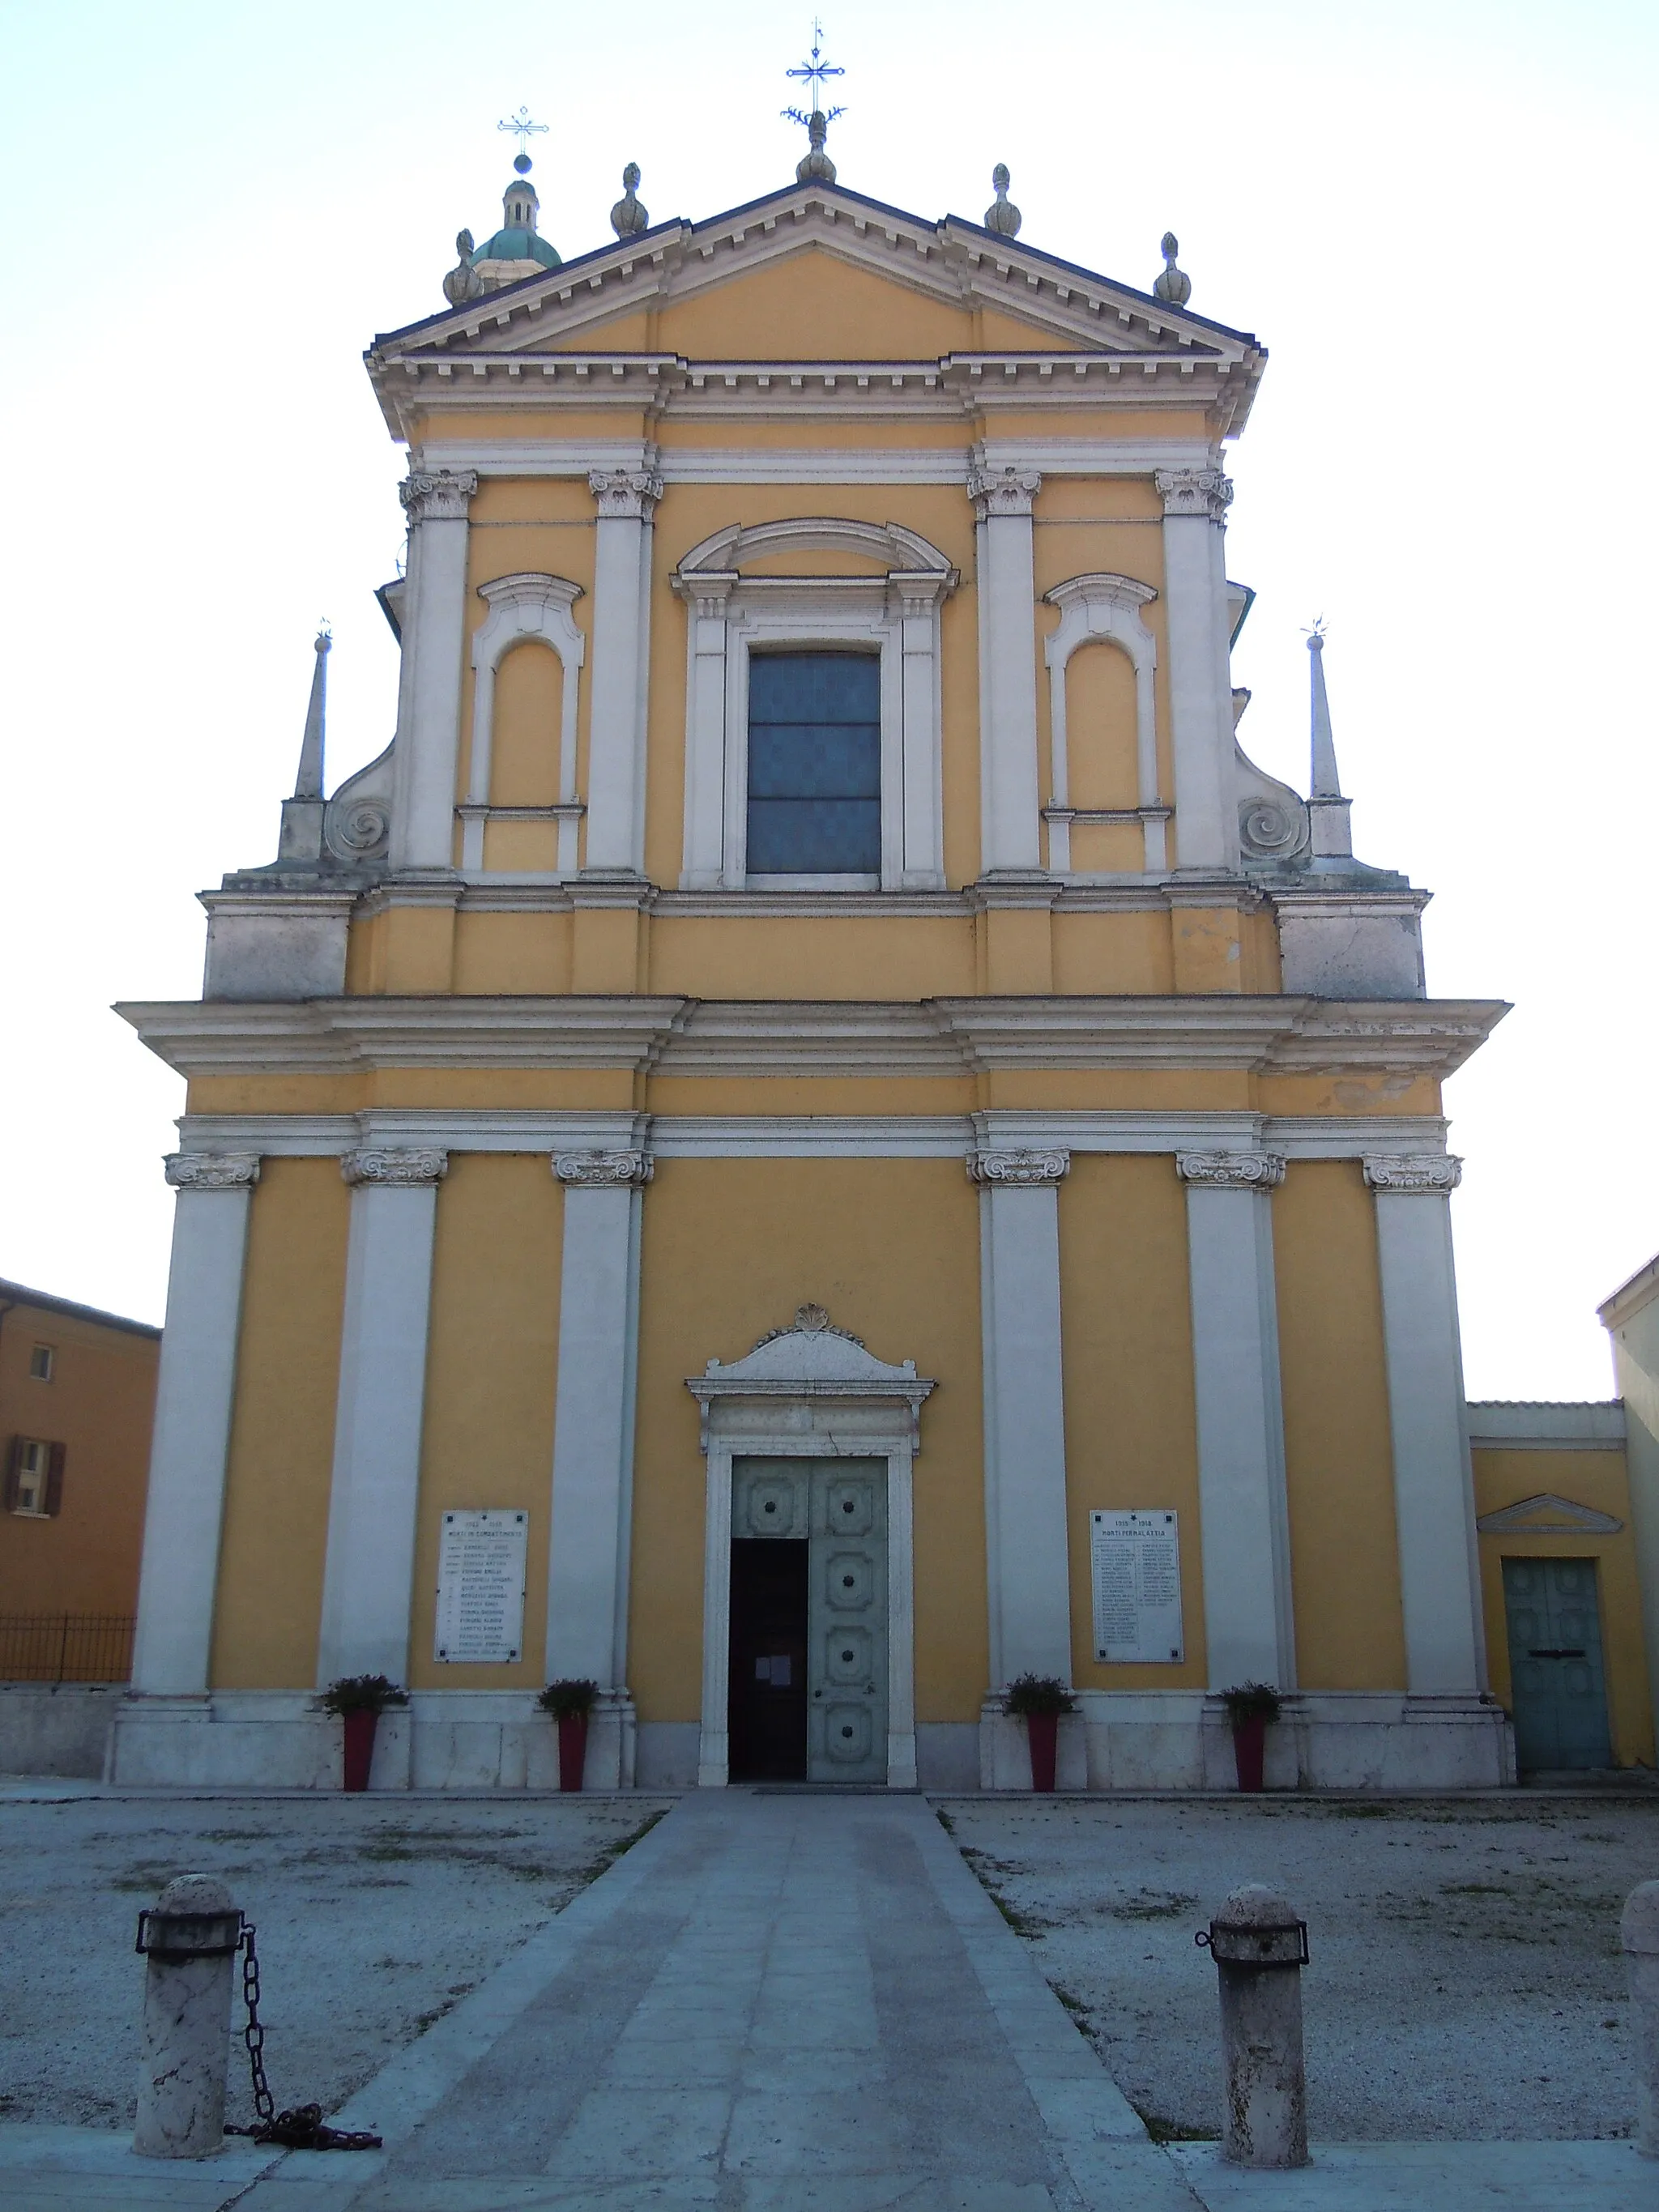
x: 65, y: 1647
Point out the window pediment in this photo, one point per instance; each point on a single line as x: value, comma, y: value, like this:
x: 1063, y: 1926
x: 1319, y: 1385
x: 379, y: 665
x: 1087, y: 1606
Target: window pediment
x: 889, y: 546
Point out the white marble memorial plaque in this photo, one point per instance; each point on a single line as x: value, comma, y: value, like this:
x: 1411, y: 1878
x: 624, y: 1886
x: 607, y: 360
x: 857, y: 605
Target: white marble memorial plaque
x: 1135, y: 1558
x: 481, y: 1558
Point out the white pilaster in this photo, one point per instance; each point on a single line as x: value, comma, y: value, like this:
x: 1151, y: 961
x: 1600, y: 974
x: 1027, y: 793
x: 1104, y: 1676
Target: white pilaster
x: 706, y: 856
x: 1195, y: 503
x: 1026, y: 1562
x: 622, y: 611
x: 368, y: 1574
x: 593, y: 1423
x: 1248, y: 1624
x: 1433, y: 1486
x: 429, y: 691
x: 194, y: 1392
x: 1003, y: 499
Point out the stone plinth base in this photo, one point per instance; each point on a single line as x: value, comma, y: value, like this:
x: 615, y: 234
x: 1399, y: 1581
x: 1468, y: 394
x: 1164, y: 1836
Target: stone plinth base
x: 441, y: 1740
x: 1324, y: 1739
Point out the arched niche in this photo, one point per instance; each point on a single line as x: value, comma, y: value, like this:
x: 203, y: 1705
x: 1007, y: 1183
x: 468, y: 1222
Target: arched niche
x: 527, y: 606
x: 1103, y: 609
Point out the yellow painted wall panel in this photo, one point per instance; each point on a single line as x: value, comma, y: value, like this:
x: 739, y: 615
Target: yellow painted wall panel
x: 1131, y: 1427
x: 1338, y: 1469
x: 508, y: 954
x: 524, y: 763
x: 1601, y: 1480
x: 492, y: 1368
x: 857, y: 957
x: 811, y: 305
x: 282, y: 1441
x: 1113, y: 953
x: 732, y: 1248
x: 1100, y: 734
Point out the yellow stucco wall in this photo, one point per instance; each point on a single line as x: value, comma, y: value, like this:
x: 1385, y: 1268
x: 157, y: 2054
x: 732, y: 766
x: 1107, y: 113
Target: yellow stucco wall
x: 98, y: 1404
x: 731, y: 1248
x: 1345, y: 1558
x: 282, y: 1440
x: 1126, y: 1346
x: 1598, y: 1480
x: 492, y: 1368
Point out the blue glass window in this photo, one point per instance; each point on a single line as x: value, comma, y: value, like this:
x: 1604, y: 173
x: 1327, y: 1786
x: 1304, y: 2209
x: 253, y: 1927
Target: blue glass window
x: 815, y: 764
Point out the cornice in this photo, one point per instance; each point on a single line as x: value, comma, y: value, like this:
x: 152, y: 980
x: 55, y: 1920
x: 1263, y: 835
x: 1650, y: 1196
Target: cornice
x: 950, y: 1036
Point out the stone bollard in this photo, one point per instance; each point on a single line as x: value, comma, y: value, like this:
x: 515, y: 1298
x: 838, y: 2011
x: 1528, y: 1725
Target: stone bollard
x: 1260, y: 1948
x: 189, y: 1939
x: 1638, y: 1932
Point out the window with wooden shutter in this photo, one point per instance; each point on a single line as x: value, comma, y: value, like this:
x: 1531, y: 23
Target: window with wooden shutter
x: 56, y: 1454
x: 814, y: 763
x: 14, y: 1471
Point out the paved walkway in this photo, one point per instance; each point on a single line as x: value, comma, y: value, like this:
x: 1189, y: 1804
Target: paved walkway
x: 782, y: 2003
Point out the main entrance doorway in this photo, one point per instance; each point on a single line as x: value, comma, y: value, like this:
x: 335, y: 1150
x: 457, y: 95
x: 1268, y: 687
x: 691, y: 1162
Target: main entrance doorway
x: 1559, y: 1690
x: 808, y: 1681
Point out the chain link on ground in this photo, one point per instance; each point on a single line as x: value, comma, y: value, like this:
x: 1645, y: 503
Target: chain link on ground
x: 300, y: 2127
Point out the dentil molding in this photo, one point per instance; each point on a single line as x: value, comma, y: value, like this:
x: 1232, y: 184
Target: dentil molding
x: 1021, y: 1167
x: 1435, y: 1173
x: 1232, y: 1170
x: 626, y: 494
x: 1003, y: 490
x: 1208, y: 493
x: 212, y: 1170
x: 437, y: 495
x: 602, y: 1170
x: 398, y: 1167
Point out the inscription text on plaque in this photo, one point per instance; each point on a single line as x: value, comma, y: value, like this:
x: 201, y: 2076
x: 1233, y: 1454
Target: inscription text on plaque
x: 481, y: 1561
x: 1135, y: 1562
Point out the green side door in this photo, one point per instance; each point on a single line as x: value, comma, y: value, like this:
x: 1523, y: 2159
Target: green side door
x: 1559, y: 1691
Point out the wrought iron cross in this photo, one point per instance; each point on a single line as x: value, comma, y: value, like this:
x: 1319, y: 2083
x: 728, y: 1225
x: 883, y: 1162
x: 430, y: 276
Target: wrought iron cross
x: 523, y: 127
x: 814, y: 73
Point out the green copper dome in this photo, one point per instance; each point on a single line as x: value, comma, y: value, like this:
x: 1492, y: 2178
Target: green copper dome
x: 517, y: 246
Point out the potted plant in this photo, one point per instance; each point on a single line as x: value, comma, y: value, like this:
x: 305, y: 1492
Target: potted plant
x: 1250, y: 1706
x: 1041, y: 1698
x: 570, y: 1704
x: 360, y: 1700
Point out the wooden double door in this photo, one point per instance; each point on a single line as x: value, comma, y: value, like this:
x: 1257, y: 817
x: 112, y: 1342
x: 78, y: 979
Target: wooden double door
x: 808, y: 1680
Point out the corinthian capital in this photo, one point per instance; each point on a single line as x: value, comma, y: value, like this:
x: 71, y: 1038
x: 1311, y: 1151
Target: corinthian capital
x: 1435, y: 1173
x: 603, y: 1171
x: 212, y: 1170
x: 629, y: 493
x: 1018, y: 1167
x: 399, y: 1168
x: 1232, y: 1170
x: 1006, y: 490
x: 437, y: 495
x: 1204, y: 492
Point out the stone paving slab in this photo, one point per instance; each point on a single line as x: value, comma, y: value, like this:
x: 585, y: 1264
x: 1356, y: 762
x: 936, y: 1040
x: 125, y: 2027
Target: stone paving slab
x: 1433, y: 2177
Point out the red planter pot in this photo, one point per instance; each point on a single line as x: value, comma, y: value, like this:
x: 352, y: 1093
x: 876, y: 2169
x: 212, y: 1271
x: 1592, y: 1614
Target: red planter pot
x: 359, y: 1728
x: 1043, y: 1729
x: 572, y: 1749
x: 1250, y: 1747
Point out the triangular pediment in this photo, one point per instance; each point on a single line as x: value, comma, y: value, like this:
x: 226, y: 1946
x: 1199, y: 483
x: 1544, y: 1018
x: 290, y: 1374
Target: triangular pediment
x: 949, y: 287
x: 1547, y: 1515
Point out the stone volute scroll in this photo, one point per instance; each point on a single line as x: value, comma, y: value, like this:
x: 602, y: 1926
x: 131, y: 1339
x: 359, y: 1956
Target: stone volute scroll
x: 1232, y: 1170
x: 1425, y: 1174
x: 597, y: 1170
x: 1206, y: 493
x: 438, y: 494
x: 212, y: 1170
x: 403, y: 1167
x: 625, y: 494
x: 998, y: 490
x: 1018, y: 1167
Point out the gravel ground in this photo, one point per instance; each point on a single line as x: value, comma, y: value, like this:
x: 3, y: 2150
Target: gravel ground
x: 373, y: 1916
x: 1465, y: 1978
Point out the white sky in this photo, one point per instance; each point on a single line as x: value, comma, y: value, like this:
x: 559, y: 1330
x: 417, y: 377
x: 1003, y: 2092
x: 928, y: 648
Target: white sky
x: 1437, y: 214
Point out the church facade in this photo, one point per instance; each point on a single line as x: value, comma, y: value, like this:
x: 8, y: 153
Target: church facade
x: 813, y: 1136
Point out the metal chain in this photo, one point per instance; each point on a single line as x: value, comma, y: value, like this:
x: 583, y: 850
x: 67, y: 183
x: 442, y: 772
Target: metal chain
x: 301, y: 2127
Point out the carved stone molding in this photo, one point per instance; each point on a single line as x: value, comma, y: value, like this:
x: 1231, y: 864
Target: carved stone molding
x: 1006, y: 490
x: 1018, y: 1167
x: 1204, y: 492
x: 212, y: 1170
x: 399, y: 1168
x: 1433, y: 1173
x: 1232, y: 1170
x: 602, y: 1170
x: 626, y: 493
x: 437, y: 495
